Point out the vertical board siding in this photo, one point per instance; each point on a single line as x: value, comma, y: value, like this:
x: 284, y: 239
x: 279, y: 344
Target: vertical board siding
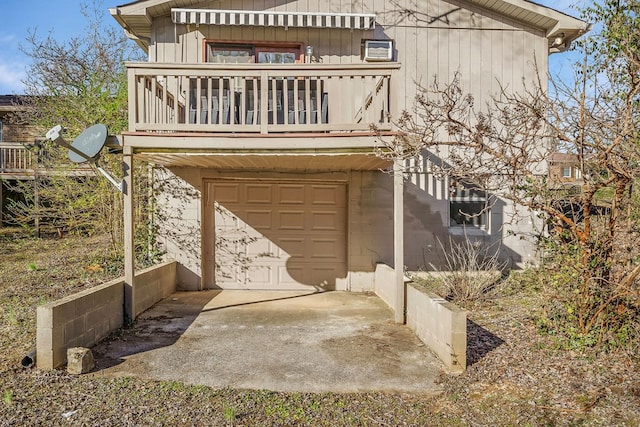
x: 438, y: 38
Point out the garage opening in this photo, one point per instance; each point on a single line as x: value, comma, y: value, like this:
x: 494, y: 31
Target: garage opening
x: 277, y: 235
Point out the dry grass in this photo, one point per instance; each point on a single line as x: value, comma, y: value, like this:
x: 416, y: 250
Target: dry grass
x: 516, y: 376
x: 35, y: 271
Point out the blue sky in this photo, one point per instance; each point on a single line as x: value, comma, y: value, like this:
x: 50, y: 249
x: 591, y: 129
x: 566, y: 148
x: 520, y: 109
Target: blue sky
x: 64, y: 20
x: 61, y: 17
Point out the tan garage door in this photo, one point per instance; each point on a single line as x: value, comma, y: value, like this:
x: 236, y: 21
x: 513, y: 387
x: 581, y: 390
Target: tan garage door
x: 279, y: 235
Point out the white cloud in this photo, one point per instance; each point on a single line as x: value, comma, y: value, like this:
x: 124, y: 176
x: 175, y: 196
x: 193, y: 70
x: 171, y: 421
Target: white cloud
x: 11, y: 77
x: 12, y: 65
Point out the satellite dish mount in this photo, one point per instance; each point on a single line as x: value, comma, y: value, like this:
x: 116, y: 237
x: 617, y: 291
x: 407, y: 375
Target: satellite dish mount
x: 86, y: 148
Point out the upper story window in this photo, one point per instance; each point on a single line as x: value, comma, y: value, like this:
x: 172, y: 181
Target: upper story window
x: 566, y: 172
x: 230, y: 54
x: 1, y: 131
x: 253, y: 53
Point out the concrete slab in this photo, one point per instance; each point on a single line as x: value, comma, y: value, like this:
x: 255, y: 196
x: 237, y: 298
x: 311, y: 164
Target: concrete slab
x: 280, y: 341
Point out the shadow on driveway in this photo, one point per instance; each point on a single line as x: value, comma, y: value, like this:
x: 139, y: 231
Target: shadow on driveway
x: 280, y: 341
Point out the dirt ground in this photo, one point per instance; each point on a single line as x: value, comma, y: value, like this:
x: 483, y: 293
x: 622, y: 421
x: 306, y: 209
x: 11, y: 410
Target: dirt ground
x: 515, y: 376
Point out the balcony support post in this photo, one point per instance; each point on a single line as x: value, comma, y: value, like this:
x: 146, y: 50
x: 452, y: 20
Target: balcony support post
x: 129, y: 255
x: 398, y: 240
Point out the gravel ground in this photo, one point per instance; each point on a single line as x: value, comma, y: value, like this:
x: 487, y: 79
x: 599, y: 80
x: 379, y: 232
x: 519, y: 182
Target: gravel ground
x: 515, y: 375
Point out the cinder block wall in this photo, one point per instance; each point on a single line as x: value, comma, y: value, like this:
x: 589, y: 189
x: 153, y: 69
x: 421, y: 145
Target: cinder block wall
x: 154, y: 284
x: 440, y: 324
x: 385, y: 278
x: 79, y: 320
x: 85, y: 318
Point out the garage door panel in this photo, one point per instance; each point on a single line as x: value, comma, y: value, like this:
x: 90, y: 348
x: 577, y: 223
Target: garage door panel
x: 290, y: 275
x: 279, y: 235
x: 259, y: 219
x: 291, y: 220
x: 291, y: 194
x: 325, y: 274
x: 328, y: 249
x: 259, y: 276
x: 226, y: 193
x: 259, y: 193
x: 326, y: 221
x: 292, y: 246
x: 262, y: 248
x: 227, y: 272
x: 225, y: 219
x: 328, y: 195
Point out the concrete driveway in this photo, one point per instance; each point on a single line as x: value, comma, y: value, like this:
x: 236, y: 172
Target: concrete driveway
x: 280, y: 341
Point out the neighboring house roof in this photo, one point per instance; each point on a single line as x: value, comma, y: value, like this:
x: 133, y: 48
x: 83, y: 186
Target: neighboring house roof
x: 10, y: 102
x: 561, y: 29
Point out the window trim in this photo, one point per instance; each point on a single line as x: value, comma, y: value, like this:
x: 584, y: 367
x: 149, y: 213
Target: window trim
x: 256, y: 45
x: 231, y: 46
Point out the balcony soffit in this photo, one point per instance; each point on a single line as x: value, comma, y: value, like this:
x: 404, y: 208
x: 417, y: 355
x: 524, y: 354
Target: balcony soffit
x: 274, y: 162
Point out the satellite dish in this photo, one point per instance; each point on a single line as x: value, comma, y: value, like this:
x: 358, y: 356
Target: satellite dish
x: 86, y: 148
x: 89, y: 143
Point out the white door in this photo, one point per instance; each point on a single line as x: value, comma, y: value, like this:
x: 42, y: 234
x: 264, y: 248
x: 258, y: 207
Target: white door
x: 279, y: 235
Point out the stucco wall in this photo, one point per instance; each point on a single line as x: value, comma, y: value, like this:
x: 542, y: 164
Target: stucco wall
x: 370, y: 224
x: 179, y: 222
x: 426, y: 226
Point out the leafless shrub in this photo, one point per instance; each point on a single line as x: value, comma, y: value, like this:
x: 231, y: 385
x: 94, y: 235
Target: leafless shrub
x: 471, y: 269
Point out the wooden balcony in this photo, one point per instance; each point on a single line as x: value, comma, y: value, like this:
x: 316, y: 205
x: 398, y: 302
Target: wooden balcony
x: 18, y: 162
x: 15, y: 160
x: 259, y: 98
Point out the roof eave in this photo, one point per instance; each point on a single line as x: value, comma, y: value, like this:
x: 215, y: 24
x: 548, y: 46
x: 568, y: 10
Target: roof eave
x: 561, y: 29
x: 129, y: 30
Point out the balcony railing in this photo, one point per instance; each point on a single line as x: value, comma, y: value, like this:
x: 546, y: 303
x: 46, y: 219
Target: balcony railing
x: 260, y: 98
x: 15, y: 158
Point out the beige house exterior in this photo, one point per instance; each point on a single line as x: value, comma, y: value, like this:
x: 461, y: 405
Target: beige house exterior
x: 261, y: 112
